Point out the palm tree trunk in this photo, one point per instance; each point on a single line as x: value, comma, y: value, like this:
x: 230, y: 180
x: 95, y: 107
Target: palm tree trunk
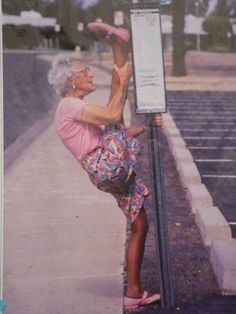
x: 178, y: 38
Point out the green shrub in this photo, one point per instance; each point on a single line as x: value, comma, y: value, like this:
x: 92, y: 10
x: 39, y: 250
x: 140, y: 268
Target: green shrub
x: 21, y: 37
x: 217, y: 27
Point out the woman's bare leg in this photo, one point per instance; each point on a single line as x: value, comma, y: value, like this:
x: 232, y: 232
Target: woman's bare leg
x: 139, y: 227
x: 119, y: 59
x: 135, y: 252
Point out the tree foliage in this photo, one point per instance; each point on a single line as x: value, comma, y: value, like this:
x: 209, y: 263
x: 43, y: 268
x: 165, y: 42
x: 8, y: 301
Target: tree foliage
x: 222, y: 8
x: 68, y: 18
x: 191, y: 7
x: 67, y: 13
x: 23, y: 37
x: 217, y: 27
x: 14, y: 7
x: 218, y: 24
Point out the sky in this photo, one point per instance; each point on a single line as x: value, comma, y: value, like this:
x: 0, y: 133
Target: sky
x: 211, y: 6
x: 87, y: 3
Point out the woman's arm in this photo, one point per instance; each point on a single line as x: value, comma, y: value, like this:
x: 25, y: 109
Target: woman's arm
x: 112, y: 113
x: 115, y: 82
x: 158, y: 121
x: 136, y: 130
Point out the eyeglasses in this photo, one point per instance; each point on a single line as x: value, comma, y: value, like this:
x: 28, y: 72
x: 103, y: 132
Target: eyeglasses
x: 84, y: 69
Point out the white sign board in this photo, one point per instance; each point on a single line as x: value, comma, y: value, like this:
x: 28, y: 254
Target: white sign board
x: 148, y: 61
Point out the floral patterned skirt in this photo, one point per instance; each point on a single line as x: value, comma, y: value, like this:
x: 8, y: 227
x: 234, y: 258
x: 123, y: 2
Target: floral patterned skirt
x: 111, y: 169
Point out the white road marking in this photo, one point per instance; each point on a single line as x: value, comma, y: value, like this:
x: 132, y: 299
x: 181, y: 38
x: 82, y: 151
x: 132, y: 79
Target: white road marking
x: 204, y: 106
x: 211, y: 113
x: 215, y: 160
x: 201, y: 110
x: 211, y: 147
x: 208, y: 130
x: 209, y: 137
x: 232, y: 223
x: 207, y: 123
x: 218, y: 176
x: 209, y: 110
x: 209, y: 118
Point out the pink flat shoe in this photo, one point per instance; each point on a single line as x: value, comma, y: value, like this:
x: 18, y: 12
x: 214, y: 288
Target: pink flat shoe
x: 134, y: 303
x: 110, y: 30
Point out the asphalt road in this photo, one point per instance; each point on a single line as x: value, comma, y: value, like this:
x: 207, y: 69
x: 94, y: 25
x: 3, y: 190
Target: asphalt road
x: 207, y: 122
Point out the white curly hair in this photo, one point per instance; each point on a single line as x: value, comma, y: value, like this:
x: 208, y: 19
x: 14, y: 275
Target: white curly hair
x: 61, y: 70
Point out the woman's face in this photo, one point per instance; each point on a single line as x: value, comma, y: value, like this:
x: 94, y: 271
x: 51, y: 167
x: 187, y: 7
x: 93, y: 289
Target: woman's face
x: 83, y: 78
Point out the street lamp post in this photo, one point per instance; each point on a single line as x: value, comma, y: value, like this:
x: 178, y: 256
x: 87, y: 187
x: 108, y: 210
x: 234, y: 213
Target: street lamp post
x: 57, y: 29
x: 97, y: 45
x: 118, y: 18
x: 197, y: 15
x: 80, y: 28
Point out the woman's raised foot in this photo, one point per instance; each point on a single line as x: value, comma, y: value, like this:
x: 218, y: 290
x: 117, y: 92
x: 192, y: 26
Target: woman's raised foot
x: 109, y: 30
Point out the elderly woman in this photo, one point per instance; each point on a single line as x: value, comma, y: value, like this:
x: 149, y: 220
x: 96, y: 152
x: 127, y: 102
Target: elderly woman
x: 107, y: 154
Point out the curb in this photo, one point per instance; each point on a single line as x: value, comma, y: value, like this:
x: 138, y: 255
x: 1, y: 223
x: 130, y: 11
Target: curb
x: 16, y: 148
x: 213, y: 227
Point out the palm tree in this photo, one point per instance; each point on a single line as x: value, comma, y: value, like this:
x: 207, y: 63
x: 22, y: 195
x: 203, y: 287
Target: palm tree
x: 178, y: 38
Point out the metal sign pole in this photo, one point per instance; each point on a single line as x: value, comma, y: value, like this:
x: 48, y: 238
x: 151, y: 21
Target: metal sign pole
x: 150, y: 97
x: 161, y: 234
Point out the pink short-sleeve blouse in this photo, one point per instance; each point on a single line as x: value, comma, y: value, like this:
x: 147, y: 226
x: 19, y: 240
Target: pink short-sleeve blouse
x: 79, y: 137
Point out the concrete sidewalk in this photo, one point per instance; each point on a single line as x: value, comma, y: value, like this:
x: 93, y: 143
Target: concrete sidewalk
x: 63, y: 239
